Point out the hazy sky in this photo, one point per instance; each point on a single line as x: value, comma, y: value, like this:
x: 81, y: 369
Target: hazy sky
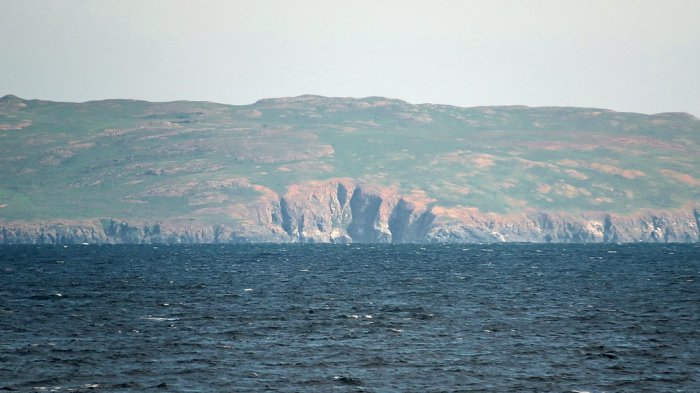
x: 629, y: 55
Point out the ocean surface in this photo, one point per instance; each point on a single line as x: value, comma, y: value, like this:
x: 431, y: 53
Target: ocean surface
x: 355, y: 318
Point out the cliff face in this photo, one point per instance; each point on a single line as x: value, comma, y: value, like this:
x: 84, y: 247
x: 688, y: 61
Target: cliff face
x: 343, y: 211
x: 644, y: 226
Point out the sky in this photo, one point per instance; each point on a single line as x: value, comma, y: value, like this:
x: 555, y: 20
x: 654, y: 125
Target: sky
x: 626, y: 55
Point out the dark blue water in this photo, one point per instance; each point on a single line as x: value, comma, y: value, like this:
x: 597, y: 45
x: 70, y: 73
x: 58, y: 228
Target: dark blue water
x: 501, y: 318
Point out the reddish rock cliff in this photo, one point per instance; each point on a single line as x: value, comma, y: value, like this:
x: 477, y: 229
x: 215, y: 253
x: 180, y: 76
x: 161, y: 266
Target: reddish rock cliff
x: 343, y: 211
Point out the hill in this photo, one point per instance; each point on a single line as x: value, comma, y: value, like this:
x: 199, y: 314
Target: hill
x: 318, y: 169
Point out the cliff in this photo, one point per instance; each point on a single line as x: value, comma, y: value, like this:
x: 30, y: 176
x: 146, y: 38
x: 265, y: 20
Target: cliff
x: 342, y: 211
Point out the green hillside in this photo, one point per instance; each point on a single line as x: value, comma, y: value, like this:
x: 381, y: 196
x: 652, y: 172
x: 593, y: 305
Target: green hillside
x: 195, y: 160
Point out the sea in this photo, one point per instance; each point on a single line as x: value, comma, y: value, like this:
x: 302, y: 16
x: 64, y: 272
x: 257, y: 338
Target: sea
x: 350, y: 318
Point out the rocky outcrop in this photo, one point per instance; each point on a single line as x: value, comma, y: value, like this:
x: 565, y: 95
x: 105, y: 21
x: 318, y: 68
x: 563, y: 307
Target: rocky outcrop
x: 540, y: 227
x: 110, y: 231
x: 66, y: 232
x: 344, y: 211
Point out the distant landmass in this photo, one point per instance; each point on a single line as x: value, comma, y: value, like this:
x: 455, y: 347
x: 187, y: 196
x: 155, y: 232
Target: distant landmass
x: 339, y: 170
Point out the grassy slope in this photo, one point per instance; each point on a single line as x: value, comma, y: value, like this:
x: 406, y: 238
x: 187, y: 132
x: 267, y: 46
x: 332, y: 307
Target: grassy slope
x: 135, y: 159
